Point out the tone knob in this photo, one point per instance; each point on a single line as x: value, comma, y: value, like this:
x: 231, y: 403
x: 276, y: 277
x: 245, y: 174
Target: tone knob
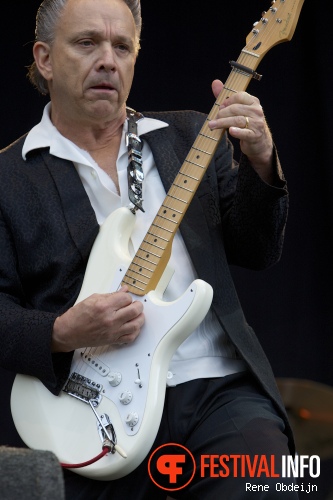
x: 132, y: 419
x: 114, y: 378
x: 125, y: 397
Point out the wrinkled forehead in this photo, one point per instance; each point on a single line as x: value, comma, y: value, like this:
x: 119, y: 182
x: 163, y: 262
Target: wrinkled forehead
x: 97, y: 16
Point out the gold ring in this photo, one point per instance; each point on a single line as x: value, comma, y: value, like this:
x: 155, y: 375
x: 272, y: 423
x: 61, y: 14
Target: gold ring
x: 247, y: 122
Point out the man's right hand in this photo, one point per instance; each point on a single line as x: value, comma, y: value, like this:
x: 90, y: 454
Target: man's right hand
x: 101, y: 319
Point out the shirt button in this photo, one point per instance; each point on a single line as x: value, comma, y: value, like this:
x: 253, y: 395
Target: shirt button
x: 93, y: 173
x: 169, y: 375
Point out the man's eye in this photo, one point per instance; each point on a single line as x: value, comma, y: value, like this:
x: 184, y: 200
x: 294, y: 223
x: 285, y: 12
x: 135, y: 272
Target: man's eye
x: 122, y: 47
x: 86, y: 43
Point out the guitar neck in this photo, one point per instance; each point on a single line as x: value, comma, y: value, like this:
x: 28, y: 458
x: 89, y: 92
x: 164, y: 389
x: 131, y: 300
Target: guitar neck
x: 154, y: 252
x: 276, y: 26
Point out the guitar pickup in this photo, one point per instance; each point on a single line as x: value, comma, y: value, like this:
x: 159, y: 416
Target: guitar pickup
x: 101, y: 368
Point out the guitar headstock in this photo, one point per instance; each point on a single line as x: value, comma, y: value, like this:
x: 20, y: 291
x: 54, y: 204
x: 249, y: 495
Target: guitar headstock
x: 277, y: 25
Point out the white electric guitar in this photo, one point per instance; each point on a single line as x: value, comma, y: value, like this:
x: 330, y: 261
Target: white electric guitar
x: 116, y: 394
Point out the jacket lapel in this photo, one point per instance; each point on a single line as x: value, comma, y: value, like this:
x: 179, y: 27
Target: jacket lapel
x: 78, y: 212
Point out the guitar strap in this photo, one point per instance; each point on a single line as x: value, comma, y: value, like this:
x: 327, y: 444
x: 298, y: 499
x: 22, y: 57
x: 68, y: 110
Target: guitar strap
x: 134, y: 170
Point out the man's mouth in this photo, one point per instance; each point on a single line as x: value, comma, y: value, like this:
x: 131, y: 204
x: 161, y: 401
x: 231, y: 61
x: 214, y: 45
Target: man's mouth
x: 103, y: 86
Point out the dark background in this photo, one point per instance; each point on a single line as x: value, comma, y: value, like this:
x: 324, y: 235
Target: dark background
x: 185, y: 45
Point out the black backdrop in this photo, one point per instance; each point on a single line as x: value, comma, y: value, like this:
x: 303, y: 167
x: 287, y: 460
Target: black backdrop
x: 185, y: 45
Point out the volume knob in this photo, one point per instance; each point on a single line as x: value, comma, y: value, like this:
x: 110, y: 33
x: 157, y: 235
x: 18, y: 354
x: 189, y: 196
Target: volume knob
x: 132, y: 419
x: 125, y: 397
x: 114, y: 378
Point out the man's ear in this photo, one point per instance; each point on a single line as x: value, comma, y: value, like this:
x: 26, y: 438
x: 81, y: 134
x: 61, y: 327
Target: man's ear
x: 41, y: 52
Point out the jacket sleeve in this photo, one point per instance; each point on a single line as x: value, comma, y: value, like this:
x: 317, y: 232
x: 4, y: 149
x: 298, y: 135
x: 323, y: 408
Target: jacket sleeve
x: 25, y: 332
x: 254, y: 215
x: 43, y: 254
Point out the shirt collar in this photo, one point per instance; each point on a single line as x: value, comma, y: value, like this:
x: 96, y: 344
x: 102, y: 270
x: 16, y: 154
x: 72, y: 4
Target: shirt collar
x: 46, y: 135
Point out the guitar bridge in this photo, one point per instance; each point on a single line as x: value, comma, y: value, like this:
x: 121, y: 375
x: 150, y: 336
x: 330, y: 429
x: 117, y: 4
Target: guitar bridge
x: 83, y: 388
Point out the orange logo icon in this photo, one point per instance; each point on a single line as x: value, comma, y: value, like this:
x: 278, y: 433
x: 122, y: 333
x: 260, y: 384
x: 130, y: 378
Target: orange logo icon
x: 171, y: 467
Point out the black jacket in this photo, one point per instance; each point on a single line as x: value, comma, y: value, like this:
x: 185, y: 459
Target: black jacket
x: 47, y: 229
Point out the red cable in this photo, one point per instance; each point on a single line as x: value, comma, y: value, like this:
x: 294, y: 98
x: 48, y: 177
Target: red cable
x: 106, y: 450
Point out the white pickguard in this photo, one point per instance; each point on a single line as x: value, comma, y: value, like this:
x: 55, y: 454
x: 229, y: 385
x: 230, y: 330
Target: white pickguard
x: 66, y: 425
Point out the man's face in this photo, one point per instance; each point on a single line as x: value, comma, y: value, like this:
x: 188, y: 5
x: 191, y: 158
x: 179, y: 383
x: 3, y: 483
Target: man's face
x: 90, y: 65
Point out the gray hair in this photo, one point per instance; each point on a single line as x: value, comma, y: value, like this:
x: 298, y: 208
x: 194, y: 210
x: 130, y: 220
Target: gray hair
x: 47, y: 18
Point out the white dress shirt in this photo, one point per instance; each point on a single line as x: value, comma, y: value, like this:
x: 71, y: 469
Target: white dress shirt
x: 207, y: 352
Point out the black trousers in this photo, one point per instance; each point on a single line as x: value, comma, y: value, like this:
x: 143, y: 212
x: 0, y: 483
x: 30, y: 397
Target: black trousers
x: 224, y: 416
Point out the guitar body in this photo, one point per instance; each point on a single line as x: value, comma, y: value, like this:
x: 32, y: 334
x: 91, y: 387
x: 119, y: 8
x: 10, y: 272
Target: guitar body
x: 66, y: 424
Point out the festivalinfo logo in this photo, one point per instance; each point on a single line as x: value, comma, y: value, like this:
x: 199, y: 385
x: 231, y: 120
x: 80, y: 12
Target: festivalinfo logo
x: 168, y: 463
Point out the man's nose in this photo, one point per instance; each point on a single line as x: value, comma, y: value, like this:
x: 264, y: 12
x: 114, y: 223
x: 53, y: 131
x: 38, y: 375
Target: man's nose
x: 106, y: 59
